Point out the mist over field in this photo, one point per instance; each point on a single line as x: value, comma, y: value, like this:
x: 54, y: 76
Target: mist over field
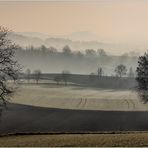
x: 73, y: 66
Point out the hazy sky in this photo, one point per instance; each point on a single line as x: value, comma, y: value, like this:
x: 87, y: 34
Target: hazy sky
x: 112, y: 20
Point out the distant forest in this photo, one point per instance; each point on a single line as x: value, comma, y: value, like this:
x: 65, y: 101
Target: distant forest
x: 51, y: 60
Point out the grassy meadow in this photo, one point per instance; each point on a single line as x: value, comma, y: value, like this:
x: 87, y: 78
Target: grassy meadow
x: 72, y: 96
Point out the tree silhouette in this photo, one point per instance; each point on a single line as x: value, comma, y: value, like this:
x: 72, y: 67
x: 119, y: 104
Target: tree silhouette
x: 100, y: 72
x: 90, y: 52
x: 101, y: 52
x: 120, y: 70
x: 37, y: 75
x: 142, y: 77
x: 66, y: 50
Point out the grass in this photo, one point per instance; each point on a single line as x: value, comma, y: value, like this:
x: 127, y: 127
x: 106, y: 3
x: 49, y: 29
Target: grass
x: 76, y: 140
x: 73, y: 97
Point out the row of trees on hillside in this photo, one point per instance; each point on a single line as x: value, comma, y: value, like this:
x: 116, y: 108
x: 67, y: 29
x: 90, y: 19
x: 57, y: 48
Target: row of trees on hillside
x: 120, y: 71
x: 76, y: 61
x: 37, y: 76
x: 68, y: 51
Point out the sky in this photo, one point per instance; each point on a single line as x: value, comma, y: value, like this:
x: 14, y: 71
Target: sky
x: 114, y: 21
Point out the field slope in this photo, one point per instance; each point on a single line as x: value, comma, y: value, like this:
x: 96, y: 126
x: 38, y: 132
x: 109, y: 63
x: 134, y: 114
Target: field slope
x: 23, y: 118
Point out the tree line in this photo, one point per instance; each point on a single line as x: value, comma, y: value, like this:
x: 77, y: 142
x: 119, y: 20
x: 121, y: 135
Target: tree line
x: 120, y: 71
x: 51, y: 60
x: 68, y: 51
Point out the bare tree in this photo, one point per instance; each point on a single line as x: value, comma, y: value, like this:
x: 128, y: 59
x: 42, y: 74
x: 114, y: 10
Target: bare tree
x: 57, y: 79
x: 100, y: 72
x: 9, y: 68
x: 52, y: 50
x: 28, y: 73
x: 90, y: 52
x: 101, y: 52
x: 44, y: 49
x: 37, y: 75
x: 121, y: 70
x: 65, y: 76
x: 66, y: 50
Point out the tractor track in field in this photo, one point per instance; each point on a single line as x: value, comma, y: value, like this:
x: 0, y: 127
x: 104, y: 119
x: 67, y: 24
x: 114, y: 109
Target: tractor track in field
x: 127, y: 102
x: 130, y: 103
x: 134, y: 106
x: 82, y: 102
x: 85, y: 101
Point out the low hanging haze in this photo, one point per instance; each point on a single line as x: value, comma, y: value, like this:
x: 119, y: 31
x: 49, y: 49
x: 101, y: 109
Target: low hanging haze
x: 109, y: 21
